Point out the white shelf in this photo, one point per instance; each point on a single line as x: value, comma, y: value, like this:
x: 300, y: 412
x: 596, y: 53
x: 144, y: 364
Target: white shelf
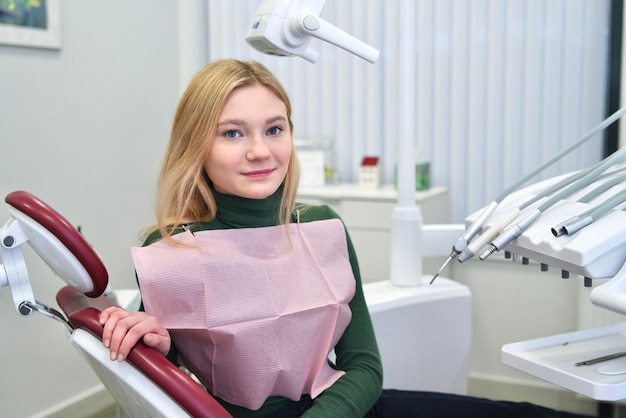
x: 553, y: 359
x: 352, y: 191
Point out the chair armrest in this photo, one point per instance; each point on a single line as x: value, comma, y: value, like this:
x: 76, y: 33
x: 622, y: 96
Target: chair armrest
x: 82, y: 312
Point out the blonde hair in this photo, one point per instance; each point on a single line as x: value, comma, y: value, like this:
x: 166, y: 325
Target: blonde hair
x: 184, y: 195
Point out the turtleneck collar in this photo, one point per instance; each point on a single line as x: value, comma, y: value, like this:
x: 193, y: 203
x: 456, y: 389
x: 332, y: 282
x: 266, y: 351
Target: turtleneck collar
x: 239, y: 212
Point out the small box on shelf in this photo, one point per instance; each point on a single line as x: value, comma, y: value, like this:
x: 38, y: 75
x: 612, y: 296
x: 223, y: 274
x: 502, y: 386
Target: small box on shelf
x: 369, y: 173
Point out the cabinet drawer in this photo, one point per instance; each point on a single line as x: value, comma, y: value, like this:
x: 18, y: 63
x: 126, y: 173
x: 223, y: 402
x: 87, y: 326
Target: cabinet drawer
x: 368, y: 215
x: 373, y: 250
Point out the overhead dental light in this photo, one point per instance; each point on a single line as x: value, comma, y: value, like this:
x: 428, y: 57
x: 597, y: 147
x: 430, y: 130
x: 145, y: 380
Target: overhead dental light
x: 285, y: 27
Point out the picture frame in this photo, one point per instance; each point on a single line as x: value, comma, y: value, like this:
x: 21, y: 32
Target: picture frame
x: 30, y: 23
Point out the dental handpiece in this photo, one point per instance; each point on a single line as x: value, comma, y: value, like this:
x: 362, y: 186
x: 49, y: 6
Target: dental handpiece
x: 514, y: 231
x: 510, y: 233
x: 462, y: 242
x: 485, y: 238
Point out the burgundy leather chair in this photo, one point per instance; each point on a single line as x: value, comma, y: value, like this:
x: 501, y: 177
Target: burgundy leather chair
x: 146, y: 384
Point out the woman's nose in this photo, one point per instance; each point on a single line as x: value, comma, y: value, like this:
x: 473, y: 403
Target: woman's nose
x: 257, y: 149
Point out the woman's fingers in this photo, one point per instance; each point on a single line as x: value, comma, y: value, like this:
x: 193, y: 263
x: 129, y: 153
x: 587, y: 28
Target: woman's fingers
x: 122, y: 329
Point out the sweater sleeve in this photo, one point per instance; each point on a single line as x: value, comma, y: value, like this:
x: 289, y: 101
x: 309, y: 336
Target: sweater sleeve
x: 357, y: 354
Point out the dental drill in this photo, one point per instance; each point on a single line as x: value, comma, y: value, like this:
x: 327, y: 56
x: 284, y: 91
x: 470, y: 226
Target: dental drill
x: 477, y: 225
x: 486, y: 236
x: 515, y: 230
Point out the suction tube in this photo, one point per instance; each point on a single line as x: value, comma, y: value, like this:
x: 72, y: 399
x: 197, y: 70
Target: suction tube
x: 586, y: 218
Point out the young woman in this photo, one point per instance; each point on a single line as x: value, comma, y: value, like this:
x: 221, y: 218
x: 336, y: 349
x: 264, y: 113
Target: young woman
x: 249, y: 290
x: 244, y: 288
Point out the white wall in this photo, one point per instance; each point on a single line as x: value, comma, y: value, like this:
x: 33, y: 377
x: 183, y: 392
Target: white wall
x: 83, y: 128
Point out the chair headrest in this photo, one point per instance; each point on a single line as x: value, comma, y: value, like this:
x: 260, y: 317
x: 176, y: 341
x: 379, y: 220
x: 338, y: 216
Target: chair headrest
x: 59, y: 244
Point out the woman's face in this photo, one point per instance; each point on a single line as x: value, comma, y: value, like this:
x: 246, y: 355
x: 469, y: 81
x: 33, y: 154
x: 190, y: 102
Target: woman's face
x: 252, y: 146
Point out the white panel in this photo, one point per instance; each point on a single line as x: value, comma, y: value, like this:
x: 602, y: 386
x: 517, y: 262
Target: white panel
x: 551, y: 84
x: 442, y: 94
x: 389, y: 110
x: 477, y: 84
x: 500, y: 86
x: 425, y: 84
x: 496, y: 94
x: 533, y: 89
x: 572, y: 94
x: 458, y: 150
x: 513, y: 96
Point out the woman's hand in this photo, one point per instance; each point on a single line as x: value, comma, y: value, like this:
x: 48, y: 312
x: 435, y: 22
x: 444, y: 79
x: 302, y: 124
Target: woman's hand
x: 122, y: 329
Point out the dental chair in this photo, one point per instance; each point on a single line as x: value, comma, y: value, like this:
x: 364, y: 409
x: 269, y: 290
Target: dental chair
x: 144, y: 385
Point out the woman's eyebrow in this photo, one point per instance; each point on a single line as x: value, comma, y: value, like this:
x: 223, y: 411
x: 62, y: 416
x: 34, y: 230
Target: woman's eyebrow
x: 278, y: 118
x: 241, y: 122
x: 232, y: 122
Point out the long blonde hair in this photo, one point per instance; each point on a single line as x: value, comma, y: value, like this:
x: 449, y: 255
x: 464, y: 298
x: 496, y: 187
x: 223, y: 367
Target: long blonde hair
x: 184, y: 195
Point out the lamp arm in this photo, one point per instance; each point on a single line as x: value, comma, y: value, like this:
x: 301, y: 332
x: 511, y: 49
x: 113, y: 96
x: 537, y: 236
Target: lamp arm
x: 285, y: 28
x: 307, y: 24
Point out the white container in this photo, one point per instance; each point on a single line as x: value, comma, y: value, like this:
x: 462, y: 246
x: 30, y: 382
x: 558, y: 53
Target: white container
x: 424, y: 334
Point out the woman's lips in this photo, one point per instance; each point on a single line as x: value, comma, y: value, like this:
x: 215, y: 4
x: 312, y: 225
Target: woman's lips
x: 259, y: 174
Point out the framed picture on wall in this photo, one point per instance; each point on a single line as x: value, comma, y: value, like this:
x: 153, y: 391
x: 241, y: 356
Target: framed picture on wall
x: 30, y: 23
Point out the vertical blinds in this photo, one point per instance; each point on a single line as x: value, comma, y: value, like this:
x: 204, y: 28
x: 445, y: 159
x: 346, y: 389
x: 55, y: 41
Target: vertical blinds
x: 500, y: 86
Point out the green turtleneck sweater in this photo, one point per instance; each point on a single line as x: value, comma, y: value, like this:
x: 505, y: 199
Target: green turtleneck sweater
x: 356, y: 352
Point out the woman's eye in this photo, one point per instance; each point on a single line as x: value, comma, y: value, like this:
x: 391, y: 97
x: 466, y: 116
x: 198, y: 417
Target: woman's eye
x: 231, y: 134
x: 274, y: 130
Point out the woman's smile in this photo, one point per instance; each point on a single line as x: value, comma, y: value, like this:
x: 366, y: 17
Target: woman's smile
x: 259, y: 174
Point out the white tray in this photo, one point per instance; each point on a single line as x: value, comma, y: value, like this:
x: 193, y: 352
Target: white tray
x: 553, y: 359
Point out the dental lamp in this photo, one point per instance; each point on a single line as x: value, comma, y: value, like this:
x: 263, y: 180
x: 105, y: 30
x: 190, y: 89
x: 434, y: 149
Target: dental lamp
x: 285, y: 28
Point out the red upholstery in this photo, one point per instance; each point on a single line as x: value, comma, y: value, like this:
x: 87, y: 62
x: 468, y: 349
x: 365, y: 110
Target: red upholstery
x: 50, y: 219
x: 83, y: 313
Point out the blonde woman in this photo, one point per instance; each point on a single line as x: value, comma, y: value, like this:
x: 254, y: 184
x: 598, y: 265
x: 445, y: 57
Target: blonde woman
x: 240, y: 285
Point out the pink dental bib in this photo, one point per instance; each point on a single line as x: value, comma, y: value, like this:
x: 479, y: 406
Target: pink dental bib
x: 251, y: 314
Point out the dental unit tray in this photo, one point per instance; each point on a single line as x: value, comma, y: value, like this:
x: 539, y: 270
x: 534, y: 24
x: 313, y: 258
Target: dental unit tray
x: 597, y: 251
x: 554, y: 359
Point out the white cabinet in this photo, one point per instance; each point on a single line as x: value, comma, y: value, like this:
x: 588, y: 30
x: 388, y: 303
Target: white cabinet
x: 367, y: 215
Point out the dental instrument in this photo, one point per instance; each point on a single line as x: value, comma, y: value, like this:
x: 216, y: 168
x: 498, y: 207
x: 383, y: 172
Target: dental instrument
x: 576, y: 223
x: 515, y: 230
x: 485, y: 237
x: 611, y: 179
x: 600, y: 359
x: 469, y: 234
